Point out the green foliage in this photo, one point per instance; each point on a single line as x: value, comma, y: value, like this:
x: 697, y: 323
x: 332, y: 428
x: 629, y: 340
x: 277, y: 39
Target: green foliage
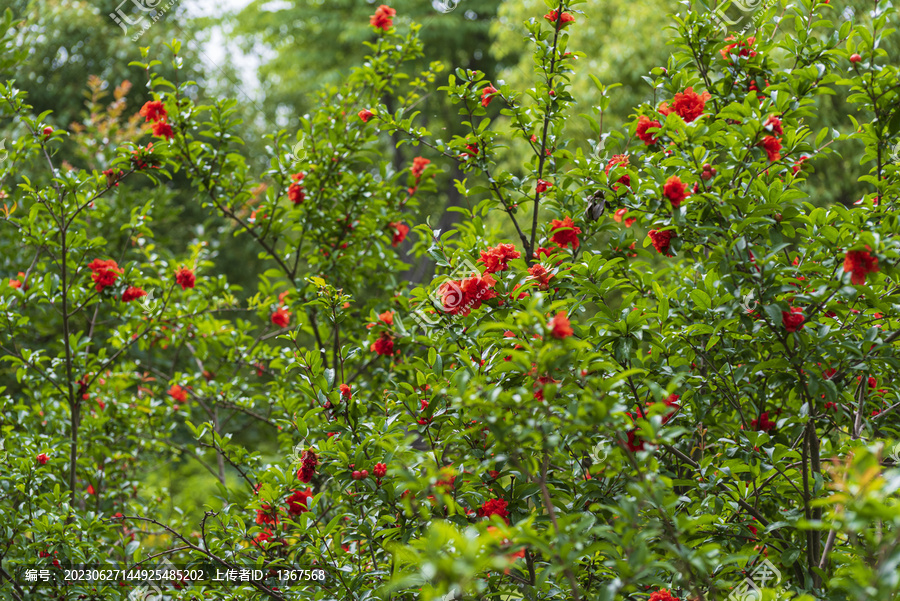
x: 677, y: 370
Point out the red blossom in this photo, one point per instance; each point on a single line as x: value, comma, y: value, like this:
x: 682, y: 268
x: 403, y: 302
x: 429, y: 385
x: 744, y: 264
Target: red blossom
x: 772, y: 146
x: 689, y: 105
x: 296, y: 193
x: 542, y: 186
x: 418, y: 168
x: 185, y: 278
x: 675, y: 191
x: 380, y: 470
x: 661, y: 240
x: 384, y: 345
x: 773, y: 124
x: 463, y: 296
x: 560, y: 326
x: 42, y: 458
x: 793, y: 321
x: 622, y: 161
x: 560, y: 20
x: 365, y: 115
x: 154, y: 110
x: 663, y: 595
x: 564, y: 233
x: 163, y: 130
x: 399, y: 231
x: 132, y: 293
x: 487, y: 95
x: 644, y: 123
x: 104, y: 273
x: 540, y: 275
x: 744, y: 46
x: 762, y: 424
x: 860, y: 263
x: 178, y: 393
x: 619, y: 215
x: 494, y: 507
x: 297, y: 502
x: 383, y: 18
x: 281, y: 317
x: 345, y: 391
x: 496, y: 259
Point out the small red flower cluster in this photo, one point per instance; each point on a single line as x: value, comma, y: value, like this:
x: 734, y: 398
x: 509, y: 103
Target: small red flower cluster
x: 560, y: 327
x: 745, y: 48
x: 661, y: 240
x: 688, y: 105
x: 365, y: 115
x: 620, y: 160
x: 494, y: 507
x: 185, y: 278
x: 487, y: 95
x: 178, y: 393
x: 296, y: 194
x: 384, y: 345
x: 308, y: 462
x: 564, y: 233
x: 155, y: 111
x: 859, y: 263
x: 793, y: 321
x: 133, y: 293
x: 496, y: 259
x: 560, y: 20
x: 104, y: 273
x: 644, y: 124
x: 762, y: 424
x: 418, y: 168
x: 463, y: 296
x: 675, y: 191
x: 281, y: 317
x: 400, y: 230
x: 383, y: 18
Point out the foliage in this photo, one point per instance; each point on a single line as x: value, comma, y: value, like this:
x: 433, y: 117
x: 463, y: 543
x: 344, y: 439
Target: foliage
x: 678, y: 368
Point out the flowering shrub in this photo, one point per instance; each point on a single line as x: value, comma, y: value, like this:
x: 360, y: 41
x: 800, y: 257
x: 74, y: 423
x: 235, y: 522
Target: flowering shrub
x: 675, y: 370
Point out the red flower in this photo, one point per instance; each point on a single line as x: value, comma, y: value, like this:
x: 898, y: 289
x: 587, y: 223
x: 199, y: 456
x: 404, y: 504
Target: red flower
x: 798, y: 164
x: 104, y: 273
x: 762, y: 424
x: 154, y: 110
x: 542, y: 186
x: 365, y: 115
x: 281, y: 317
x: 495, y: 259
x: 266, y: 515
x: 540, y: 274
x: 634, y: 443
x: 384, y: 345
x: 494, y: 507
x: 42, y: 458
x: 620, y: 214
x: 185, y: 278
x: 263, y: 536
x: 622, y: 160
x: 487, y: 95
x: 163, y: 130
x: 383, y: 18
x: 559, y: 326
x: 644, y: 123
x: 859, y: 263
x: 297, y: 501
x: 560, y: 20
x: 462, y: 297
x: 773, y: 124
x: 663, y: 594
x: 308, y: 462
x: 387, y: 318
x: 689, y: 105
x: 379, y: 470
x: 17, y: 283
x: 132, y: 293
x: 772, y: 146
x: 564, y: 232
x: 178, y: 393
x: 793, y: 321
x: 745, y: 47
x: 295, y: 191
x: 400, y: 231
x: 675, y: 191
x: 345, y: 391
x: 90, y: 489
x: 418, y: 168
x: 661, y: 240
